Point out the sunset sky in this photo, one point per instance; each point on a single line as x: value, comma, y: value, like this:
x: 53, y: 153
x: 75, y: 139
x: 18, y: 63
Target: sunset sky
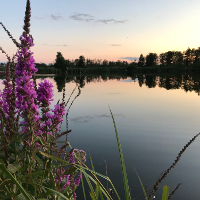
x: 103, y: 29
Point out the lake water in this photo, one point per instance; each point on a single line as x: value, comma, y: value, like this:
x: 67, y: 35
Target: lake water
x: 153, y: 124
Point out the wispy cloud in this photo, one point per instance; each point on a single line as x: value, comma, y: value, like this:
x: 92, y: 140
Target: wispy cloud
x: 130, y: 58
x: 82, y: 17
x: 83, y: 119
x: 108, y: 115
x: 90, y: 18
x: 116, y: 45
x: 103, y: 115
x: 61, y: 45
x: 106, y: 21
x: 56, y: 17
x: 86, y: 119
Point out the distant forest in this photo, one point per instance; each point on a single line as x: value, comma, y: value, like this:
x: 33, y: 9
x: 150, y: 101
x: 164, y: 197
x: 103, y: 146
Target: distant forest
x: 189, y: 58
x: 186, y: 59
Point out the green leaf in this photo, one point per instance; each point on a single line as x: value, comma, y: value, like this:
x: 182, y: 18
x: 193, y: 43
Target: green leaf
x: 20, y: 197
x: 40, y: 162
x: 32, y: 190
x: 60, y: 194
x: 42, y: 199
x: 125, y: 179
x: 165, y: 193
x: 2, y: 196
x: 23, y: 191
x: 12, y: 168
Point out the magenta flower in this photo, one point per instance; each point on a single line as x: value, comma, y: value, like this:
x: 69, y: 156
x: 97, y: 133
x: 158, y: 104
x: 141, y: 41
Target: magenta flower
x: 59, y: 112
x: 59, y: 176
x: 25, y: 92
x: 45, y: 93
x: 78, y: 180
x: 71, y: 158
x: 67, y: 183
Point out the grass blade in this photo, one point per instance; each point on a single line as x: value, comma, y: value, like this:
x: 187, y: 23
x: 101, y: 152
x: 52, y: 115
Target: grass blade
x: 146, y: 198
x: 83, y: 186
x: 92, y: 192
x: 125, y: 179
x: 165, y: 193
x: 98, y: 189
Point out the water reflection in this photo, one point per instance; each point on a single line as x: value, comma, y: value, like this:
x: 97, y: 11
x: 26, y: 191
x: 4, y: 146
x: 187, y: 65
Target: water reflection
x: 185, y: 82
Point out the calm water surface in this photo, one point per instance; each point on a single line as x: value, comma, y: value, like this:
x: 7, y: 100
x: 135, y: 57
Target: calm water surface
x: 153, y: 124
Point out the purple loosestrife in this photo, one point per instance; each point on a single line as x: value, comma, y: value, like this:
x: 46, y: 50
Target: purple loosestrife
x: 59, y: 176
x: 73, y: 183
x: 44, y: 98
x: 71, y: 158
x: 77, y: 180
x: 45, y: 93
x: 57, y: 117
x: 25, y: 92
x: 76, y: 184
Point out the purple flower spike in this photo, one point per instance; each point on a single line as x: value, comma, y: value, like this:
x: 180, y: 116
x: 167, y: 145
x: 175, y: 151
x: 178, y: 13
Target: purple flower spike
x: 45, y: 93
x: 71, y: 158
x: 58, y: 111
x: 25, y: 69
x: 77, y: 180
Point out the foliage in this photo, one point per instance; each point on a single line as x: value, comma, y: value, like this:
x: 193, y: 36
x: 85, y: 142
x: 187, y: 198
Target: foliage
x: 141, y: 61
x: 60, y: 62
x: 151, y: 59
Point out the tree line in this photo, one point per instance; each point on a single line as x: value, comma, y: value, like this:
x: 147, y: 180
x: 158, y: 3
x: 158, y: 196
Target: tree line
x: 188, y: 58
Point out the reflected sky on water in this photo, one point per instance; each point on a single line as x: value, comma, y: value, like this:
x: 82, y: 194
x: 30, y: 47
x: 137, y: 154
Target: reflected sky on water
x: 153, y: 124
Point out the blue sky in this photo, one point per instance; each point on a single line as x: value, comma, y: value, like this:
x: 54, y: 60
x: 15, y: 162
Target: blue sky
x: 106, y: 29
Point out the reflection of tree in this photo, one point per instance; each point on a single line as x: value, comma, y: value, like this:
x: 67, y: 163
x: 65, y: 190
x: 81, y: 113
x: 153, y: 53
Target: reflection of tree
x: 150, y: 81
x: 104, y: 77
x: 187, y: 83
x: 140, y: 80
x: 81, y: 81
x: 170, y: 82
x: 60, y: 82
x: 196, y: 87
